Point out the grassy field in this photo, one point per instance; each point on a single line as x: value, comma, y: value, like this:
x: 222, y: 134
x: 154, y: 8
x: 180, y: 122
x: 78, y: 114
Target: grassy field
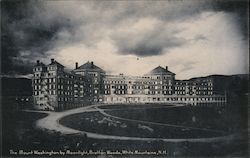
x: 19, y: 133
x: 200, y: 117
x: 174, y: 122
x: 98, y: 123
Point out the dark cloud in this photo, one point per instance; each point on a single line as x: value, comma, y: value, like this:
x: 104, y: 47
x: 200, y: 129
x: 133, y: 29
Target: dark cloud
x: 147, y: 37
x: 151, y: 45
x: 31, y: 29
x: 240, y: 8
x: 143, y: 50
x: 19, y: 35
x: 25, y: 31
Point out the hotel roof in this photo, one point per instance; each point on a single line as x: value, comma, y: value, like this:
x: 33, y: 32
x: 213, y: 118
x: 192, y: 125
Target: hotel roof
x: 40, y: 64
x: 53, y: 62
x: 89, y: 66
x: 160, y: 71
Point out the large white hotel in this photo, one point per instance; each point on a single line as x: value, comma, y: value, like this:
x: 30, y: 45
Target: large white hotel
x: 55, y: 88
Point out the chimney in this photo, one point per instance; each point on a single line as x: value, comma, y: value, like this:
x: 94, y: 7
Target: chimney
x: 92, y: 64
x: 166, y: 68
x: 37, y: 62
x: 76, y: 65
x: 52, y: 60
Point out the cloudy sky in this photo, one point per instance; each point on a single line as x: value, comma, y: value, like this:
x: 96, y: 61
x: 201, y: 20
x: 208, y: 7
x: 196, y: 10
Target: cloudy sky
x: 192, y: 37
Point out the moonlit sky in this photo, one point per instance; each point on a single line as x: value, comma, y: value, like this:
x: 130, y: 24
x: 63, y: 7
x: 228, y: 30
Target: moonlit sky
x: 193, y: 38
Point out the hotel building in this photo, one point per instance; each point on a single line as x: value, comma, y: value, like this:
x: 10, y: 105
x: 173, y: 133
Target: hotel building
x: 55, y: 88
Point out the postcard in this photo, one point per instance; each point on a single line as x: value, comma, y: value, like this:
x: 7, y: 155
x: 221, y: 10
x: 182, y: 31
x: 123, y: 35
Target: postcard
x: 164, y: 78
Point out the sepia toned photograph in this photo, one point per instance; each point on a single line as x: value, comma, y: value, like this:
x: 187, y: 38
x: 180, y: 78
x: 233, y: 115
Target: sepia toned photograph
x: 124, y: 78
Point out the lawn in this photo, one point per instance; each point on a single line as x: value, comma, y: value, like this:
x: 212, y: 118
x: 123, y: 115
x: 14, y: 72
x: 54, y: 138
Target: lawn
x: 19, y: 133
x: 176, y: 122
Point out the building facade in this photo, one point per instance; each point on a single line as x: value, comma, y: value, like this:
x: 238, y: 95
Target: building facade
x: 159, y: 86
x: 54, y: 88
x: 94, y: 78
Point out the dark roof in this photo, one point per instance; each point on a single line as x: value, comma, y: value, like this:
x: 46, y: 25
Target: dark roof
x: 160, y: 71
x: 40, y: 64
x: 56, y: 63
x: 89, y: 66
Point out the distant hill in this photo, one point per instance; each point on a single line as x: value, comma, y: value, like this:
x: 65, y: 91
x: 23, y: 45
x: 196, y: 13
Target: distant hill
x: 232, y: 84
x: 16, y: 86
